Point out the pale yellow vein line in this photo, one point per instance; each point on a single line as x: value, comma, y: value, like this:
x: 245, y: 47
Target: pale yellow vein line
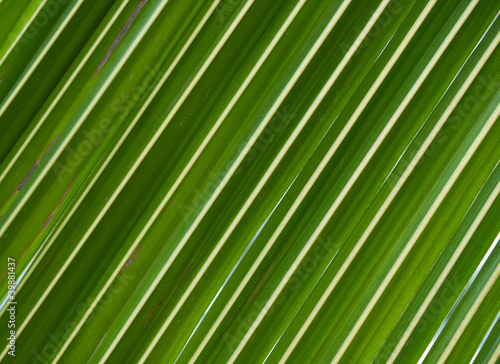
x: 417, y: 234
x: 444, y: 273
x: 496, y: 355
x: 20, y: 35
x: 226, y: 178
x: 205, y: 66
x: 26, y: 276
x: 44, y: 169
x: 105, y: 164
x: 381, y: 211
x: 63, y: 90
x: 111, y: 155
x: 58, y: 276
x: 357, y: 113
x: 339, y: 199
x: 38, y: 59
x: 275, y: 163
x: 283, y: 151
x: 470, y: 314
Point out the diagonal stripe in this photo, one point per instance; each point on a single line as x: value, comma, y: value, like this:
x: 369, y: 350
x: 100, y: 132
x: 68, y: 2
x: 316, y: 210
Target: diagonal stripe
x: 444, y: 274
x: 268, y: 172
x: 351, y: 331
x: 358, y: 112
x: 467, y: 288
x: 7, y: 220
x: 89, y: 186
x: 226, y: 178
x: 345, y: 131
x: 384, y: 207
x: 496, y: 355
x: 351, y: 122
x: 74, y: 253
x: 108, y: 159
x: 21, y: 33
x: 470, y: 315
x: 345, y: 190
x: 495, y: 321
x: 93, y: 181
x: 63, y: 90
x: 34, y: 64
x: 172, y: 113
x: 417, y: 234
